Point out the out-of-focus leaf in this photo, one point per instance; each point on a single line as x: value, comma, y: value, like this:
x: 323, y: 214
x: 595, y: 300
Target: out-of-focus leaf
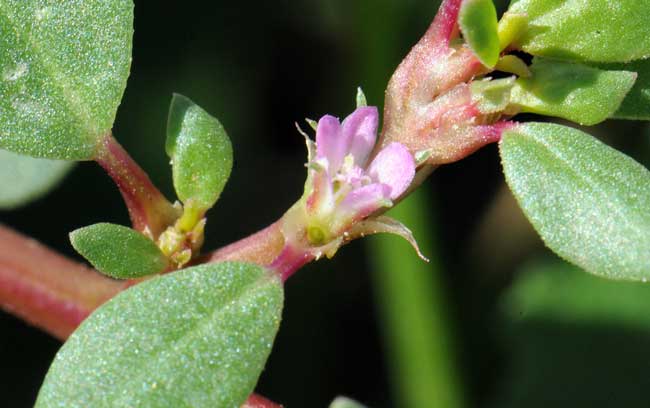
x: 344, y: 402
x: 200, y: 150
x: 193, y: 338
x: 585, y: 30
x: 564, y: 326
x: 478, y: 23
x: 572, y: 91
x: 63, y: 69
x: 588, y: 201
x: 24, y: 179
x: 118, y: 251
x: 636, y: 104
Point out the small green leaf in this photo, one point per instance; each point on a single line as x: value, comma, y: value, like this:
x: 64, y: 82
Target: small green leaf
x: 586, y: 30
x: 588, y: 201
x: 63, y: 69
x: 636, y: 104
x: 24, y: 179
x: 200, y: 150
x: 575, y: 92
x: 478, y: 23
x: 344, y: 402
x: 194, y: 338
x: 118, y: 251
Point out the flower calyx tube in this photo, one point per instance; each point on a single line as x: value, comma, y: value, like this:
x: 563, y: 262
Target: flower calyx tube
x: 431, y: 105
x: 346, y: 191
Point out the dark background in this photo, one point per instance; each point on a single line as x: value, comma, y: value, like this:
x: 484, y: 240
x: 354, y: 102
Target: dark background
x: 260, y: 67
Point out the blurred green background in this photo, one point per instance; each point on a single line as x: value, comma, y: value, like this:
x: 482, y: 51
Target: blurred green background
x: 494, y: 320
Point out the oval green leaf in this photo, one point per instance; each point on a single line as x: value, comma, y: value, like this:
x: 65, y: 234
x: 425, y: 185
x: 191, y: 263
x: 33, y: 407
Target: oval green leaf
x: 478, y: 23
x: 201, y: 153
x: 636, y: 105
x: 118, y: 251
x: 194, y: 338
x: 587, y: 30
x: 588, y: 201
x: 24, y: 179
x: 572, y: 91
x: 63, y: 69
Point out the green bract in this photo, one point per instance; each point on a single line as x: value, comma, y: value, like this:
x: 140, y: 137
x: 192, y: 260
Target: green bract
x: 63, y: 69
x: 576, y: 92
x: 585, y: 30
x: 200, y: 150
x: 588, y: 201
x: 23, y: 179
x: 194, y: 338
x: 478, y: 23
x: 636, y: 104
x: 118, y: 251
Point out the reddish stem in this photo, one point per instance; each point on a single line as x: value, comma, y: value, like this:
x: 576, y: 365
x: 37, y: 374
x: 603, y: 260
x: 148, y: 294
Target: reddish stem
x: 261, y: 248
x: 257, y: 401
x: 45, y: 288
x: 148, y: 208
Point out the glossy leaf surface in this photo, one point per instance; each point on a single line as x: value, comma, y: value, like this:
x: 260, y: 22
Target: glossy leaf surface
x: 572, y: 91
x: 200, y: 150
x: 118, y: 251
x: 63, y: 69
x: 588, y: 201
x: 193, y: 338
x: 585, y: 30
x: 24, y: 179
x: 478, y: 23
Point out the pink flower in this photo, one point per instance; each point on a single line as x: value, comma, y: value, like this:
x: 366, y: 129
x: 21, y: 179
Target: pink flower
x: 345, y: 188
x: 342, y: 187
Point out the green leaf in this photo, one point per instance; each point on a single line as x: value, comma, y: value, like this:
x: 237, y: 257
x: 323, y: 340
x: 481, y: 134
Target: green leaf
x: 194, y: 338
x: 344, y: 402
x: 586, y: 30
x: 118, y: 251
x: 63, y: 69
x: 200, y: 150
x: 478, y: 23
x: 24, y: 179
x: 575, y: 92
x: 588, y: 201
x: 636, y: 104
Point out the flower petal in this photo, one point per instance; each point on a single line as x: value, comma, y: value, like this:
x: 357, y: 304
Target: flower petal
x: 395, y: 167
x: 329, y: 143
x: 363, y: 201
x: 360, y: 129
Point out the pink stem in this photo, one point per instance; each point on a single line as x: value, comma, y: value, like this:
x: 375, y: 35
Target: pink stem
x: 47, y: 289
x: 148, y: 208
x: 289, y: 261
x: 257, y: 401
x: 261, y: 248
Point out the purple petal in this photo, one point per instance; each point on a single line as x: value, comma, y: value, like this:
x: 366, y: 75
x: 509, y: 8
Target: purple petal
x: 363, y: 201
x: 395, y: 167
x: 329, y: 143
x: 360, y: 129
